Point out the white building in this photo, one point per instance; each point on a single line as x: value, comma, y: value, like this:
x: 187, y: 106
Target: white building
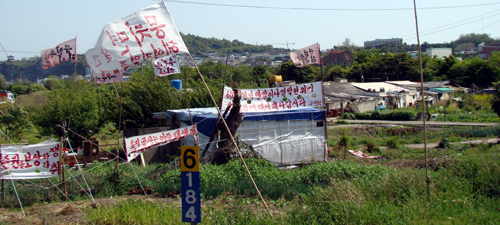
x: 439, y: 52
x: 377, y: 42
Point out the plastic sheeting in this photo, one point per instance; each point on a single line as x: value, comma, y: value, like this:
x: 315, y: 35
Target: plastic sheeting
x: 284, y: 137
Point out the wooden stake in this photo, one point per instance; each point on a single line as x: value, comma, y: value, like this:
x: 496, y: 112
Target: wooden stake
x: 61, y: 166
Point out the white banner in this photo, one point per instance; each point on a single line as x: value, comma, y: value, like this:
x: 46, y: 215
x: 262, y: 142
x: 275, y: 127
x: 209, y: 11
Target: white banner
x: 276, y: 99
x: 65, y: 51
x: 30, y: 162
x: 139, y: 144
x: 147, y: 34
x: 306, y: 56
x: 165, y: 66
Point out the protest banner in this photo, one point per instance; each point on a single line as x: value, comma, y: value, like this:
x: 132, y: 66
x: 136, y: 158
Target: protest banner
x: 30, y: 162
x: 276, y: 99
x: 306, y: 56
x: 147, y: 34
x: 138, y: 144
x: 65, y: 51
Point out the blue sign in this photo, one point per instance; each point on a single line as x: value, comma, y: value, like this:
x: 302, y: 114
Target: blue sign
x: 190, y: 180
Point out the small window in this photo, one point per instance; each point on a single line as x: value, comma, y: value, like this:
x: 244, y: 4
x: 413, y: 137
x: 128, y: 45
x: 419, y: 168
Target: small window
x: 319, y: 123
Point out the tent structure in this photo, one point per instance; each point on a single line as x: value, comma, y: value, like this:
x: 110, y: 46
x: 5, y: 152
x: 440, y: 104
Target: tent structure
x: 283, y: 137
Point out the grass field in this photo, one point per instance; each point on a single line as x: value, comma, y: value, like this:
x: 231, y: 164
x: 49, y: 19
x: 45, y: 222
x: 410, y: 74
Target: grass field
x: 464, y: 186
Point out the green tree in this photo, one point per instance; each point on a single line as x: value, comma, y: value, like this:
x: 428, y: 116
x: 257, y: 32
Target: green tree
x: 14, y: 121
x: 85, y: 111
x: 3, y: 83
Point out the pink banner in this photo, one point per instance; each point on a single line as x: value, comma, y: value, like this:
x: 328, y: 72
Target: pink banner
x: 306, y: 56
x: 276, y: 99
x: 65, y: 51
x: 138, y: 144
x: 30, y: 162
x: 147, y: 34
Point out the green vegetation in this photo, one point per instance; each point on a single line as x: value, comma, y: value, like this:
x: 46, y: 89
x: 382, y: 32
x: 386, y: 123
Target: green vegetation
x: 464, y: 187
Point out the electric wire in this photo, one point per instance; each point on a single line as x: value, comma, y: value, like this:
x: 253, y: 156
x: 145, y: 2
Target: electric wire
x: 329, y: 9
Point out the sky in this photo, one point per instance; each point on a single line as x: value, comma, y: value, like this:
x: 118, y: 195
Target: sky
x: 29, y: 26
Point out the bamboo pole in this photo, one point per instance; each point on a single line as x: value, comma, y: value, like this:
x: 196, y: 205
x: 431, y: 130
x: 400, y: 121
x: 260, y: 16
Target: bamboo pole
x: 427, y: 179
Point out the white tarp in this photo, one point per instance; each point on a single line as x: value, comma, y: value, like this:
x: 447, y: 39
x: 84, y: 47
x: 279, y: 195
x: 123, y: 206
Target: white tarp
x: 30, y: 162
x: 276, y: 99
x: 286, y: 137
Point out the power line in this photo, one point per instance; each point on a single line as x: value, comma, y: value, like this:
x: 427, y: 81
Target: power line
x: 318, y: 9
x: 453, y: 27
x: 411, y: 35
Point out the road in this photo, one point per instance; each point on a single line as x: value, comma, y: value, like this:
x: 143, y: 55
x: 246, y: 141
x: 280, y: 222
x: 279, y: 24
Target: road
x: 414, y: 122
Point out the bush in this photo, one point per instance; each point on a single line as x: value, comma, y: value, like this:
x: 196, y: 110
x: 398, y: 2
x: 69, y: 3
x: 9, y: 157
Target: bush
x: 392, y: 142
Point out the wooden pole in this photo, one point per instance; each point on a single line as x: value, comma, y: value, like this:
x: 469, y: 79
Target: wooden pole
x: 427, y: 179
x: 3, y: 193
x: 325, y: 108
x: 61, y: 167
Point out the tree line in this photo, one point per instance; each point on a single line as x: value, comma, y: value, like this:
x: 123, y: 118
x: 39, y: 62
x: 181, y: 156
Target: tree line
x: 86, y: 107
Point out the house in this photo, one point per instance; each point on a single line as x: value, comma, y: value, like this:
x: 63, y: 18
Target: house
x: 390, y: 95
x: 337, y: 57
x: 484, y: 52
x: 343, y: 95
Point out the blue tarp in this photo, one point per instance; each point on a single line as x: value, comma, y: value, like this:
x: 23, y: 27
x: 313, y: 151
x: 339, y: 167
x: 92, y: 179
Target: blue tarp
x: 206, y: 118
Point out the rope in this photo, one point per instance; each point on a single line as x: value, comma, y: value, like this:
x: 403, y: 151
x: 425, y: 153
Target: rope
x: 17, y: 195
x: 89, y: 193
x: 80, y: 170
x: 232, y: 139
x: 70, y: 201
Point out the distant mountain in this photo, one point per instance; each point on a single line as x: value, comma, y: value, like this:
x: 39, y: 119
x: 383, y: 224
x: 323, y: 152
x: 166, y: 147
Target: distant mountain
x: 197, y: 44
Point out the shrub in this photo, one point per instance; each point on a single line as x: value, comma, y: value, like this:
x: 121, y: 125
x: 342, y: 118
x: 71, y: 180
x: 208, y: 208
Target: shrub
x: 392, y: 142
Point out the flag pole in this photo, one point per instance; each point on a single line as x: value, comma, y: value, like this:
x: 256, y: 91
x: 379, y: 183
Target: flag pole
x: 76, y: 54
x: 325, y: 108
x: 427, y: 179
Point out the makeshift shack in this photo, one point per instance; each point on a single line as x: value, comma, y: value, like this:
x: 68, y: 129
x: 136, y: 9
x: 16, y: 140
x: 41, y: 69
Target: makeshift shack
x: 283, y: 137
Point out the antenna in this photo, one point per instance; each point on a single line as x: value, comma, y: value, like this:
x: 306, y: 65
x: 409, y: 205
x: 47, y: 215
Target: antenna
x: 4, y: 50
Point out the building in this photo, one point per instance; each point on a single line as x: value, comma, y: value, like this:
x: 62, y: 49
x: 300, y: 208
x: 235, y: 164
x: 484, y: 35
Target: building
x: 439, y: 52
x: 391, y: 95
x: 338, y: 57
x: 343, y: 95
x: 484, y: 52
x: 377, y: 42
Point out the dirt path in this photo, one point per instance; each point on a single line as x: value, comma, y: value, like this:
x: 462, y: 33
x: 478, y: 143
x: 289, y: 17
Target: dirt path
x: 435, y: 144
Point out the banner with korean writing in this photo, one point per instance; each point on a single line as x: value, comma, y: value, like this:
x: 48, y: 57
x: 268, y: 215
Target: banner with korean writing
x: 65, y: 51
x: 165, y: 66
x: 30, y: 162
x: 306, y: 56
x: 139, y: 144
x: 147, y: 34
x: 276, y: 99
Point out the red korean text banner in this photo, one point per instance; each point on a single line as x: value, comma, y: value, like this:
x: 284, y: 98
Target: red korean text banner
x: 165, y: 66
x: 139, y: 144
x: 276, y: 99
x: 306, y: 56
x: 30, y: 162
x: 65, y: 51
x: 147, y: 34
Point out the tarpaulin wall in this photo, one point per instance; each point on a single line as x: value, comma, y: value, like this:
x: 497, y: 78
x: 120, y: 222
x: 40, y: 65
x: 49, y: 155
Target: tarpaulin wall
x: 285, y: 137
